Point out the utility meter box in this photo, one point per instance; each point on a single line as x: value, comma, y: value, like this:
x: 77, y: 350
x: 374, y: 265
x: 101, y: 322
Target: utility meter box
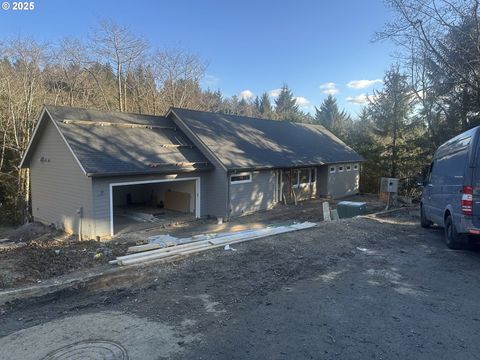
x: 392, y: 185
x: 388, y: 185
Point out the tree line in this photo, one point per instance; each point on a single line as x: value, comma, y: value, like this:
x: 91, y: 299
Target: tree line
x: 113, y: 69
x: 429, y: 94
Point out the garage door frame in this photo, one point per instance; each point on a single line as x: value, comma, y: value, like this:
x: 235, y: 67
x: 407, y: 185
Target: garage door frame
x: 197, y: 193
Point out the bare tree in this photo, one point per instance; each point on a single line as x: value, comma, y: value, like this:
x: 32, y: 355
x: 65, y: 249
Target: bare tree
x: 177, y: 73
x: 116, y: 45
x: 22, y: 92
x: 440, y: 45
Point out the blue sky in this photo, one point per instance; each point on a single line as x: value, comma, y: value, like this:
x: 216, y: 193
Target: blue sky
x: 316, y: 47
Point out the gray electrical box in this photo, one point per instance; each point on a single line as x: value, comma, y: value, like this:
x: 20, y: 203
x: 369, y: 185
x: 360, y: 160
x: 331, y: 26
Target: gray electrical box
x: 388, y: 185
x: 392, y: 185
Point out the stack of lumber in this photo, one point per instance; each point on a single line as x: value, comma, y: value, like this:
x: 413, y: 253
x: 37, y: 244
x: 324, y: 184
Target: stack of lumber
x: 149, y: 252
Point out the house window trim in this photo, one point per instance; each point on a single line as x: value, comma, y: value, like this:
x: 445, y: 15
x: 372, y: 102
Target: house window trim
x: 348, y: 167
x: 341, y: 168
x: 298, y: 185
x: 241, y: 181
x: 355, y: 167
x: 333, y: 169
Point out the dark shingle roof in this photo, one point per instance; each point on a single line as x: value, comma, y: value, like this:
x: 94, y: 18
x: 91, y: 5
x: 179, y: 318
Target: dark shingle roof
x: 114, y: 150
x: 241, y: 142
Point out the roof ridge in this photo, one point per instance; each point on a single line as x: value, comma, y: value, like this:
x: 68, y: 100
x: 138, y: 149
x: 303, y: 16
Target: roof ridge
x: 101, y: 110
x: 243, y: 116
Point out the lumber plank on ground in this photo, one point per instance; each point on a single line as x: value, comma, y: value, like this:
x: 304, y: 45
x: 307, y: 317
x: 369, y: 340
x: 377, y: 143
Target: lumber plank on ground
x: 334, y: 213
x: 326, y: 211
x: 140, y: 248
x: 199, y: 246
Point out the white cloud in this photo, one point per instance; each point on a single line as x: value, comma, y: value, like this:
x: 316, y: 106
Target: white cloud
x: 330, y: 91
x: 361, y: 99
x: 362, y: 84
x: 274, y: 93
x: 301, y: 101
x: 246, y: 94
x: 329, y: 88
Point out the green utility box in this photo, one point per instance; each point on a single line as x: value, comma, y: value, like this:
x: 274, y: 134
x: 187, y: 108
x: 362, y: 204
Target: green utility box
x: 348, y: 209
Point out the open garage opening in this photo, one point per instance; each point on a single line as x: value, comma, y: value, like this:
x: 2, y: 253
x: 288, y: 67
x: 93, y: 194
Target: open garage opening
x: 142, y: 204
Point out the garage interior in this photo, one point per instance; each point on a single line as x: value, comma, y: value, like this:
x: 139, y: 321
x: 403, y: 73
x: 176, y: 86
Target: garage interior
x: 137, y: 206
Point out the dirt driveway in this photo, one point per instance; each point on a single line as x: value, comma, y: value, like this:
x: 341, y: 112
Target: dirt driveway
x: 355, y: 289
x: 47, y: 254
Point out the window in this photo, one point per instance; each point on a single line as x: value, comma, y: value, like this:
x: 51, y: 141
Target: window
x: 340, y: 168
x: 304, y: 176
x: 348, y: 167
x: 355, y: 167
x: 332, y: 169
x: 241, y: 178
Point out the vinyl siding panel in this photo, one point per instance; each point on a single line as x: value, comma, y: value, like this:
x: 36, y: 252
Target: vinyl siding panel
x: 259, y: 194
x: 101, y: 196
x: 322, y: 181
x: 58, y: 185
x: 341, y: 184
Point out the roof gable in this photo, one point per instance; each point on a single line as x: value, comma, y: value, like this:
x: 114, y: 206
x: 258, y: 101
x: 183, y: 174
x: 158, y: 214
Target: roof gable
x: 111, y: 143
x: 241, y: 142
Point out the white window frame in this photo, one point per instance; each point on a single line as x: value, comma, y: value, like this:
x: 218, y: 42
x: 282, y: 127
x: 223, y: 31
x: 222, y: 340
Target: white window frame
x: 333, y: 169
x: 348, y: 167
x: 310, y: 182
x: 355, y: 167
x: 241, y: 181
x: 341, y: 168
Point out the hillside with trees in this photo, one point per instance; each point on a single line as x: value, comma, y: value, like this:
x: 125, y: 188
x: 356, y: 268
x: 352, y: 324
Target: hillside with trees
x: 431, y: 93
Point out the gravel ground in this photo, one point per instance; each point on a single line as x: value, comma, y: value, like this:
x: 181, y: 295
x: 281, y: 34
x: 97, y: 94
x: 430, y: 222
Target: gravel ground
x: 363, y: 288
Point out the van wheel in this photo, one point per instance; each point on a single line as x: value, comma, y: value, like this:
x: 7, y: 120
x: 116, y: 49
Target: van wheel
x: 452, y: 238
x: 424, y: 222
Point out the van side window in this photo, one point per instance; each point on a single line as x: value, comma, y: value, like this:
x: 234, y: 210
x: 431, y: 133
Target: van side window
x: 450, y: 168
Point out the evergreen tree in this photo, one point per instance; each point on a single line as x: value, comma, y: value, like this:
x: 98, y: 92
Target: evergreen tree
x: 394, y: 126
x: 331, y: 117
x: 265, y: 107
x: 286, y: 106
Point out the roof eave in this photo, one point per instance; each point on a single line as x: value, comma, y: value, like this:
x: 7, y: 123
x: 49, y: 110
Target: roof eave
x: 27, y: 150
x: 159, y: 172
x: 298, y: 166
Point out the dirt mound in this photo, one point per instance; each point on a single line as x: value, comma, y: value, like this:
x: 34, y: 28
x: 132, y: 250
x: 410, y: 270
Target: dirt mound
x: 48, y: 257
x: 29, y: 232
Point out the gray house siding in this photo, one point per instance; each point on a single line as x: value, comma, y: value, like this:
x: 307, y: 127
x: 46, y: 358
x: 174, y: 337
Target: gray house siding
x: 322, y: 181
x: 101, y: 196
x: 217, y: 180
x: 59, y: 187
x: 259, y: 194
x: 343, y: 183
